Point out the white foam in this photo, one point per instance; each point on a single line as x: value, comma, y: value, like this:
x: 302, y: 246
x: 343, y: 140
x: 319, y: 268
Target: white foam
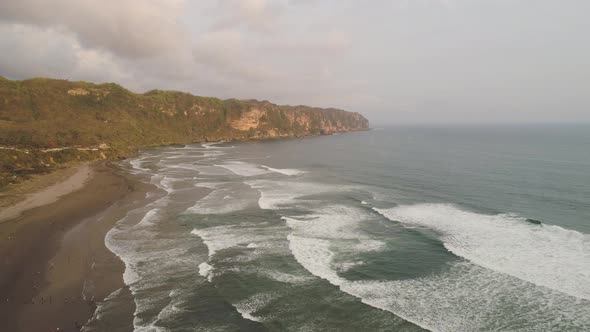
x: 314, y: 236
x: 335, y: 222
x: 315, y: 256
x: 245, y: 314
x: 282, y: 194
x: 183, y: 166
x: 452, y: 300
x: 366, y: 245
x: 214, y: 153
x: 102, y: 309
x: 191, y: 155
x: 219, y: 202
x: 466, y: 297
x: 243, y: 169
x: 149, y: 217
x: 206, y: 271
x: 166, y: 184
x: 210, y: 170
x: 218, y: 238
x: 248, y: 307
x: 449, y: 301
x: 284, y: 171
x: 170, y: 312
x: 176, y: 156
x: 144, y: 248
x: 288, y: 278
x: 137, y: 164
x: 213, y: 145
x: 545, y: 255
x: 345, y: 266
x: 471, y: 298
x: 130, y: 276
x: 158, y: 257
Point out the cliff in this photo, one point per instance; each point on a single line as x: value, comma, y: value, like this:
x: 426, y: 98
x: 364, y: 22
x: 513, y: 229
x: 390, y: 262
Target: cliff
x: 46, y: 122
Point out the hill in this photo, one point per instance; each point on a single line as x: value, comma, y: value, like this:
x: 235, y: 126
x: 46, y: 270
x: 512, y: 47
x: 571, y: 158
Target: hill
x: 48, y: 122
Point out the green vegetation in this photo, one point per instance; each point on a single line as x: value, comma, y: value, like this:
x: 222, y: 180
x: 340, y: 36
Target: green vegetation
x: 40, y: 114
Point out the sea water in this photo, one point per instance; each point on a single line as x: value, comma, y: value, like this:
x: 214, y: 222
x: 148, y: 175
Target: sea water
x: 398, y: 229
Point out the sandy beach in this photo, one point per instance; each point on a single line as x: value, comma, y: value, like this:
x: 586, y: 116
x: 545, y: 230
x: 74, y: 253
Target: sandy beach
x: 55, y: 266
x: 50, y: 194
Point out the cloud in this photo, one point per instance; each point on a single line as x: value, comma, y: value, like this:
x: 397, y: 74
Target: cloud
x: 138, y: 43
x: 129, y: 28
x: 29, y: 51
x: 153, y: 41
x: 259, y: 16
x: 255, y: 41
x: 394, y: 60
x: 227, y: 53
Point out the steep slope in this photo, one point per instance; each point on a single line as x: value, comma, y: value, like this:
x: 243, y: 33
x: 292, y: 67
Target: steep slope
x: 44, y: 122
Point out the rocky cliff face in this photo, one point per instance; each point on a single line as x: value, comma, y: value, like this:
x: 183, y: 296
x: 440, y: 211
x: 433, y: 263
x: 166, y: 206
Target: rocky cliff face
x: 78, y: 117
x: 255, y: 122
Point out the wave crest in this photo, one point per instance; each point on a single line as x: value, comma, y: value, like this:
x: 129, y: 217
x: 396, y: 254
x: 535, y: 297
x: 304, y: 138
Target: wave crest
x: 545, y: 255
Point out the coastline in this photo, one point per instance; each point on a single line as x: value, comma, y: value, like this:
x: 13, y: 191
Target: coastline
x: 55, y: 265
x: 55, y: 268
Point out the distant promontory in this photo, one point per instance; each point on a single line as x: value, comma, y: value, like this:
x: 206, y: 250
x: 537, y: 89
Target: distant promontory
x: 46, y: 122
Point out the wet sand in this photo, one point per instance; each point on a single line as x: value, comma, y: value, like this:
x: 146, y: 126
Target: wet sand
x: 54, y: 265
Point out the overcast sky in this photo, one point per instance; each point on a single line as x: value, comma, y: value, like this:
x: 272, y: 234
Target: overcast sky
x: 396, y: 61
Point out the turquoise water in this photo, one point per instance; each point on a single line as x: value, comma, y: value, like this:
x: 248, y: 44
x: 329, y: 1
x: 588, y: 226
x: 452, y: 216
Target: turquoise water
x: 402, y: 228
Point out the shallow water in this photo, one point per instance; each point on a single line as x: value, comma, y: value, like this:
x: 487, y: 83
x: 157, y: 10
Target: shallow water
x: 394, y: 229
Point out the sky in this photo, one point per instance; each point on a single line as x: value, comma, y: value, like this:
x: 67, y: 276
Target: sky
x: 395, y: 61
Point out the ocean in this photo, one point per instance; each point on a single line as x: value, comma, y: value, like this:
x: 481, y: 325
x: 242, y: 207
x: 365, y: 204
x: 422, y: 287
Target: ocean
x: 456, y: 228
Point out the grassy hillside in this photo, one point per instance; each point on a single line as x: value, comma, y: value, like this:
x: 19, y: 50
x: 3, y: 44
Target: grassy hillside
x: 47, y: 122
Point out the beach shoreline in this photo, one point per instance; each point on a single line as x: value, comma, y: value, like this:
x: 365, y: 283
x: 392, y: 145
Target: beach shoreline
x: 56, y: 267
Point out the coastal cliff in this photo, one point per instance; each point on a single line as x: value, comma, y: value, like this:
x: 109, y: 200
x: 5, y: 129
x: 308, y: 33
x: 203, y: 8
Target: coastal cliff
x: 47, y: 122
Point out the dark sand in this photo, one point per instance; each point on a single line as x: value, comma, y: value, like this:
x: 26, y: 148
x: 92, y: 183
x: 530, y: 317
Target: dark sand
x: 54, y: 265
